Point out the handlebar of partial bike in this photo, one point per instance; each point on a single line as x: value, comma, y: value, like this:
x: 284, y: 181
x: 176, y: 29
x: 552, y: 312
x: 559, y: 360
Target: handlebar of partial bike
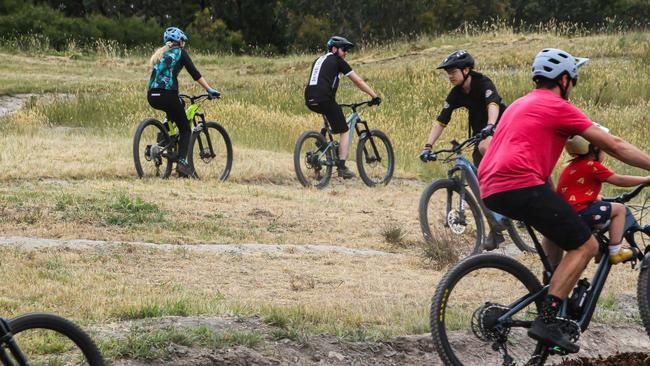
x: 195, y: 98
x: 354, y: 106
x: 627, y: 196
x: 457, y: 147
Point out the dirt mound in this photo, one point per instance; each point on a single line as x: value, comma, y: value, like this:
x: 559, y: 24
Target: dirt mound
x: 621, y: 359
x: 279, y: 346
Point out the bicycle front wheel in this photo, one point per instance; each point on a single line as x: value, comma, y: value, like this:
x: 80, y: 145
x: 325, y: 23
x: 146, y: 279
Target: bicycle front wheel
x: 375, y: 159
x: 152, y: 147
x: 47, y: 339
x: 312, y: 160
x: 467, y: 303
x: 451, y: 224
x: 211, y: 152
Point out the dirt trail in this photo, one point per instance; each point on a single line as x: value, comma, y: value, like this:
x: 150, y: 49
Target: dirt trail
x: 36, y: 243
x: 12, y: 103
x: 326, y: 349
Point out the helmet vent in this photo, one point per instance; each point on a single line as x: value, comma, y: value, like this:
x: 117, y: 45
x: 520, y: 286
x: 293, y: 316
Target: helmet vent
x: 554, y: 61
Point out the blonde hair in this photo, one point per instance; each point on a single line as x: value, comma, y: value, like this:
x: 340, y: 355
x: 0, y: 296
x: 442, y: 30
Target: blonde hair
x: 155, y: 58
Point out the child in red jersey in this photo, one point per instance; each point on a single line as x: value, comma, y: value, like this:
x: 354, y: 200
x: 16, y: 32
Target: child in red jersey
x: 580, y: 184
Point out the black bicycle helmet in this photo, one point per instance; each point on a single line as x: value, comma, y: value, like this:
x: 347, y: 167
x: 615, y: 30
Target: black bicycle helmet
x: 339, y: 42
x: 457, y: 60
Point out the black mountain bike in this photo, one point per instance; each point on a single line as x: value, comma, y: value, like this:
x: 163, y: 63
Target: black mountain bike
x: 451, y: 210
x: 155, y: 145
x: 484, y: 305
x: 45, y: 339
x: 314, y: 156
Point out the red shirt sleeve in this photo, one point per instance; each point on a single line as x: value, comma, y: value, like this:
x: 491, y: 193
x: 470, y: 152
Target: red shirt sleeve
x: 601, y: 172
x: 572, y: 121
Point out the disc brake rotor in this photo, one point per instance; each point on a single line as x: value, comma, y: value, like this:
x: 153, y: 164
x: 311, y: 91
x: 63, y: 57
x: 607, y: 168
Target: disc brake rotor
x: 454, y: 222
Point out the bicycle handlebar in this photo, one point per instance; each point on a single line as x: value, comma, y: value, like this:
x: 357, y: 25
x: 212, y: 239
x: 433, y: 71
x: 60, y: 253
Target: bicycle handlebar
x: 457, y: 147
x: 627, y: 196
x: 196, y: 98
x: 354, y: 106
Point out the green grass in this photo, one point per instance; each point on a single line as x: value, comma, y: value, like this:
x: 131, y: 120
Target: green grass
x: 148, y: 345
x: 262, y: 105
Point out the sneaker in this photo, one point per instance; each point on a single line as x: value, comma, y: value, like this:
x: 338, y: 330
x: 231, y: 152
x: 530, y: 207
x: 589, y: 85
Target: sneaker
x: 493, y: 240
x: 183, y: 168
x: 551, y: 334
x: 622, y: 255
x: 346, y: 173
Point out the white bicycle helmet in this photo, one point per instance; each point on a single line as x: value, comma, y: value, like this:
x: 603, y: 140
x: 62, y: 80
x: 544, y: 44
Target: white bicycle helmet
x: 578, y: 145
x: 552, y: 63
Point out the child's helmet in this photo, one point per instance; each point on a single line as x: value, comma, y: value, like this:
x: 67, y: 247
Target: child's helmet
x: 577, y: 145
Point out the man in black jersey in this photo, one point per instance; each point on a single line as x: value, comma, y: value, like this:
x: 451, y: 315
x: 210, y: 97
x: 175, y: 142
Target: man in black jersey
x: 477, y: 93
x: 320, y: 93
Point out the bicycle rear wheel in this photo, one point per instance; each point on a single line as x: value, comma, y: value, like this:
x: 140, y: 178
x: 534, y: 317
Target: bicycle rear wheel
x: 152, y: 147
x: 211, y: 152
x: 312, y: 160
x: 375, y: 159
x: 467, y: 303
x: 47, y: 339
x: 446, y: 224
x: 520, y: 236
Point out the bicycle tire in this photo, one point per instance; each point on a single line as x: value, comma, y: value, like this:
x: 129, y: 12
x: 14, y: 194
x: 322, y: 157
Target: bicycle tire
x: 365, y: 150
x: 439, y: 302
x: 518, y: 240
x: 643, y: 297
x: 139, y: 151
x: 221, y: 152
x: 423, y: 210
x: 62, y: 326
x: 298, y: 164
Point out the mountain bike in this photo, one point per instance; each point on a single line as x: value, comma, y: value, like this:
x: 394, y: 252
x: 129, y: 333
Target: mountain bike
x: 451, y: 214
x: 45, y: 339
x: 314, y: 155
x: 484, y: 305
x: 155, y: 145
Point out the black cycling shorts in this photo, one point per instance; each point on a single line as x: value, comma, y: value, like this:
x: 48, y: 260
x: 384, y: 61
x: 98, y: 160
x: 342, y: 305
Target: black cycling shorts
x: 544, y: 210
x: 333, y: 113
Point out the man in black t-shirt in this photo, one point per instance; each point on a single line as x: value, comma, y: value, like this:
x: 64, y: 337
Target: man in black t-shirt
x: 471, y: 90
x: 320, y: 93
x: 477, y: 93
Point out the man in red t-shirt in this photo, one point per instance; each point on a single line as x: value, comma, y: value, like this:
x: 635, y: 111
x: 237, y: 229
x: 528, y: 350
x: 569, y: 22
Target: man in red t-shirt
x: 516, y: 170
x: 580, y: 184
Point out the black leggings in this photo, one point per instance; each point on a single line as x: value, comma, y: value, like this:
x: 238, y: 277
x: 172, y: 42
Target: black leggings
x: 169, y: 102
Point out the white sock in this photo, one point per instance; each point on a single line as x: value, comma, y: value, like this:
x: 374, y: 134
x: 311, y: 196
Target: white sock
x: 613, y: 249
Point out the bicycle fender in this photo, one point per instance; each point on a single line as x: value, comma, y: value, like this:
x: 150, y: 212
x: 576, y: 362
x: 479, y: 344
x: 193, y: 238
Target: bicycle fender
x: 645, y: 263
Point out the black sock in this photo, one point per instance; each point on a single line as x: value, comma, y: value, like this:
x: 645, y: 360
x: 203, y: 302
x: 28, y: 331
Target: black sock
x: 550, y: 308
x: 341, y: 164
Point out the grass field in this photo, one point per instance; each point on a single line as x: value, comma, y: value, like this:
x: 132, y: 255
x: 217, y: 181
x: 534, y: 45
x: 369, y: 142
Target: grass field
x: 67, y: 172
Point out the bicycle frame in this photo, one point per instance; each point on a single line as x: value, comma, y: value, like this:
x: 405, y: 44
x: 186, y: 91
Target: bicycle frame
x: 7, y: 340
x: 592, y: 294
x: 353, y: 121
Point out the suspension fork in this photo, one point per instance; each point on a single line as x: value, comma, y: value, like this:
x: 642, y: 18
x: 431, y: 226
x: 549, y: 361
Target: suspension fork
x: 366, y: 132
x: 494, y: 219
x: 458, y: 175
x: 197, y: 129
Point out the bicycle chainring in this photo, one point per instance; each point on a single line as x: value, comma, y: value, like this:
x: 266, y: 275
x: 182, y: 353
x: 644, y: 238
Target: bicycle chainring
x: 454, y: 222
x: 485, y: 326
x: 570, y: 328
